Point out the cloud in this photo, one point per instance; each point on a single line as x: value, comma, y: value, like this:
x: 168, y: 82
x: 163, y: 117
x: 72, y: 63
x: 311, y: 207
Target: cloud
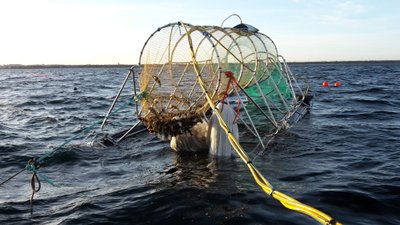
x: 351, y: 7
x: 346, y: 12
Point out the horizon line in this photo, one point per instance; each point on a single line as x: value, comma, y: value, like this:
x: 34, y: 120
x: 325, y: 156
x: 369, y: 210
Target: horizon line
x: 57, y: 65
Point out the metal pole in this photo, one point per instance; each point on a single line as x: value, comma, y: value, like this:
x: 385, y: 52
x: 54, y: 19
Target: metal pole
x: 133, y: 127
x: 257, y: 106
x: 115, y: 100
x: 278, y: 91
x: 134, y: 88
x: 266, y: 103
x: 248, y: 115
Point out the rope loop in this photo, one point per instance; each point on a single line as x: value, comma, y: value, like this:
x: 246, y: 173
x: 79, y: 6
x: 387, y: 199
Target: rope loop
x: 32, y: 166
x: 34, y: 180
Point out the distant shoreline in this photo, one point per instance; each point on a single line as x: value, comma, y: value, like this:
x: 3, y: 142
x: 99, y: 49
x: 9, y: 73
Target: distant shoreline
x: 44, y: 66
x: 346, y: 62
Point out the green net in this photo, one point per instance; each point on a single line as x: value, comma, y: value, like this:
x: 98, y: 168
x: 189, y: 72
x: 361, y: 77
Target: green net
x: 173, y: 99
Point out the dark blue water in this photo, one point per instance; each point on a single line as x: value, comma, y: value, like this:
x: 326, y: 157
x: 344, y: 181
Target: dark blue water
x: 342, y: 158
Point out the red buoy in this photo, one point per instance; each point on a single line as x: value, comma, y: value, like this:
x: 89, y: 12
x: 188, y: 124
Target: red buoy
x: 325, y: 84
x: 337, y: 84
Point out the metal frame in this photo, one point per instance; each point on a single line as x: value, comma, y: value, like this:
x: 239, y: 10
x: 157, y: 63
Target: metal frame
x: 209, y: 35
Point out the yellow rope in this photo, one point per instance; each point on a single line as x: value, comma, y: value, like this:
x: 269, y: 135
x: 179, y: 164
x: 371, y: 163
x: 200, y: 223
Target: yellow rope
x: 286, y: 201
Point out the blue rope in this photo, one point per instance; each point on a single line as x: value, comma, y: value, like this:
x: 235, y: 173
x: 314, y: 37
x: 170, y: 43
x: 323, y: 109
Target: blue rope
x: 33, y: 166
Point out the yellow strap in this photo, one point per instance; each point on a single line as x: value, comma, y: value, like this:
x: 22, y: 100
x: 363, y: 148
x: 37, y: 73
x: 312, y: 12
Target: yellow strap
x: 286, y: 201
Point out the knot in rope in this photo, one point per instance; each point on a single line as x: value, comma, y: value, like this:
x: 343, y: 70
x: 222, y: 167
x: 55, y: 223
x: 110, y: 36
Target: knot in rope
x: 32, y: 165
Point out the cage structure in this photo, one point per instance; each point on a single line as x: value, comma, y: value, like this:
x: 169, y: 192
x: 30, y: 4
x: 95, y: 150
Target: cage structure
x: 239, y: 65
x: 184, y: 70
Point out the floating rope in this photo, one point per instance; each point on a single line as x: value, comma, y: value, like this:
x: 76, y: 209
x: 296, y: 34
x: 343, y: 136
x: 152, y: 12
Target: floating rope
x: 286, y: 200
x: 11, y: 177
x: 34, y: 163
x: 89, y: 128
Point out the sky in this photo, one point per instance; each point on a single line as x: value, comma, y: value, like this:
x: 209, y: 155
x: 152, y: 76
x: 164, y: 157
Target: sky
x: 114, y: 31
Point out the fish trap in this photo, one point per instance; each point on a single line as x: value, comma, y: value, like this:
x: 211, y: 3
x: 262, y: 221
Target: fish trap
x: 172, y: 99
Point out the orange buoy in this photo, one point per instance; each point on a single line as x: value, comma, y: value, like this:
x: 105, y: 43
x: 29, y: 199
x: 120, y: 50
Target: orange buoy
x: 325, y: 84
x: 337, y: 84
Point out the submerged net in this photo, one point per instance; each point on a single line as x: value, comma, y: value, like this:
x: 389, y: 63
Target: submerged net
x: 171, y: 98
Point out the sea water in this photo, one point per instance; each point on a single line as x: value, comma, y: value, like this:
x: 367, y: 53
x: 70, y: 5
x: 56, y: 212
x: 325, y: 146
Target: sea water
x: 342, y: 158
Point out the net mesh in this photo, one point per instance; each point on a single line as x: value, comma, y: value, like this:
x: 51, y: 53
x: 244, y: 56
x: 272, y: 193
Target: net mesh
x: 171, y: 98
